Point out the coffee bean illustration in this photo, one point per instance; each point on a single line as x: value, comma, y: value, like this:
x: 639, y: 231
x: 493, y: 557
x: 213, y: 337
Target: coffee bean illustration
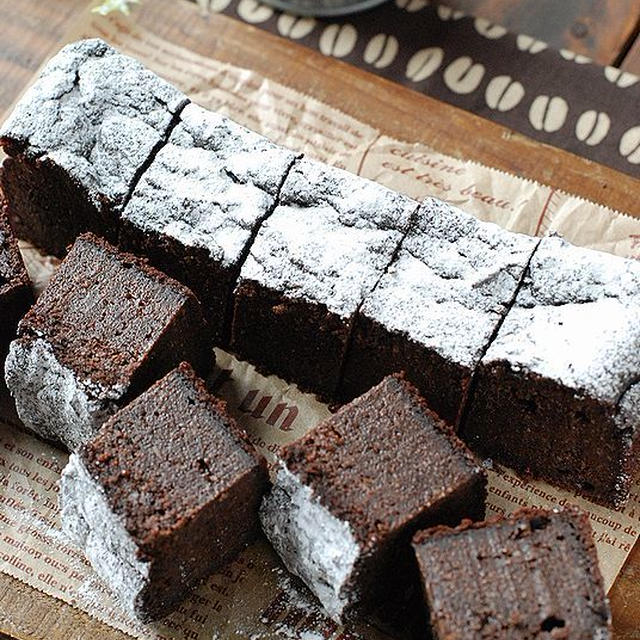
x: 295, y: 27
x: 447, y: 13
x: 578, y: 58
x: 503, y: 93
x: 488, y: 29
x: 463, y: 76
x: 217, y: 6
x: 338, y: 40
x: 424, y: 63
x: 620, y: 78
x: 592, y: 127
x: 381, y: 50
x: 527, y: 43
x: 548, y: 114
x: 630, y: 145
x: 411, y: 5
x: 253, y: 11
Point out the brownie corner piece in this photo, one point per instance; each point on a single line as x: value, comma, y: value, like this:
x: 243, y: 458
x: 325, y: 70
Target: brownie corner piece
x: 197, y: 207
x: 558, y: 390
x: 348, y: 495
x: 77, y: 140
x: 313, y: 261
x: 550, y: 556
x: 164, y: 494
x: 15, y: 286
x: 105, y: 328
x: 436, y: 308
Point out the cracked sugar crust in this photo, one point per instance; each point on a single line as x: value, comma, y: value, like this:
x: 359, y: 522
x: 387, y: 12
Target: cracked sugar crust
x: 452, y: 282
x: 96, y: 113
x: 210, y: 185
x: 576, y: 320
x: 330, y: 238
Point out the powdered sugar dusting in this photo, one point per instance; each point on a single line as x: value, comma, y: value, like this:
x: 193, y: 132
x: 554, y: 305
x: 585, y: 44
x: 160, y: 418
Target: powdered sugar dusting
x: 96, y: 113
x: 330, y: 239
x: 576, y: 320
x: 452, y: 282
x: 210, y: 185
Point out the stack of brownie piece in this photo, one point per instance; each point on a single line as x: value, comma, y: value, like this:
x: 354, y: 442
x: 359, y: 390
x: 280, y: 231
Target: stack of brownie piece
x: 191, y: 231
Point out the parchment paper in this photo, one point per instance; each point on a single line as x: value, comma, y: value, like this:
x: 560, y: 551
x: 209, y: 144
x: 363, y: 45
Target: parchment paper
x: 254, y: 597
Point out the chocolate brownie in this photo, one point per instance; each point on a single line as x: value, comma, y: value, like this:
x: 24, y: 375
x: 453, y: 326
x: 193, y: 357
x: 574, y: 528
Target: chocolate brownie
x: 78, y: 140
x: 197, y: 207
x: 434, y: 312
x: 165, y: 493
x: 558, y: 390
x: 15, y: 287
x: 314, y: 260
x: 532, y: 576
x: 106, y: 327
x: 349, y: 495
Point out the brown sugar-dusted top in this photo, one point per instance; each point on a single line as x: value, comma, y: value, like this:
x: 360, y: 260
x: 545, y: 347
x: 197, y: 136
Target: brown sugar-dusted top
x: 104, y: 310
x: 533, y: 575
x: 168, y: 454
x: 366, y: 462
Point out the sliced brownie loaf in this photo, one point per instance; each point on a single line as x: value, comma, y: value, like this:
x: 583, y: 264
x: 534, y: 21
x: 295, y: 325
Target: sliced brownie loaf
x: 436, y: 309
x: 533, y: 576
x: 350, y: 494
x: 198, y: 206
x: 106, y: 327
x: 165, y: 493
x: 558, y: 390
x: 313, y: 262
x: 78, y: 139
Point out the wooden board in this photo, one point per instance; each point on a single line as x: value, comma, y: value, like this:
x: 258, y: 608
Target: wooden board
x: 31, y: 30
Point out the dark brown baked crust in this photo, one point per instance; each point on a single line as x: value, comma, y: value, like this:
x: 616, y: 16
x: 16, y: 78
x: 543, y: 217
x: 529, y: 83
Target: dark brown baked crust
x: 531, y: 575
x: 15, y: 286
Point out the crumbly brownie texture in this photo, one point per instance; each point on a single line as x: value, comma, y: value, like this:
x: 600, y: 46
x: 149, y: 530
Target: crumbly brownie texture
x: 78, y: 140
x: 166, y: 493
x: 15, y: 287
x: 434, y: 312
x: 313, y: 261
x: 558, y: 391
x: 197, y: 207
x: 532, y: 576
x: 105, y: 328
x: 351, y: 492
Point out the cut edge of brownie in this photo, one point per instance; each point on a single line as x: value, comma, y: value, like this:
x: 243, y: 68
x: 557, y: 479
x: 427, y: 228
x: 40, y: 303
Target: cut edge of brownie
x: 352, y: 586
x: 138, y: 563
x: 534, y: 518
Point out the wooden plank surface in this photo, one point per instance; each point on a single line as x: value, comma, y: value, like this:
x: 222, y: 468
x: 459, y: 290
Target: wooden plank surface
x: 600, y: 29
x: 631, y: 61
x: 30, y: 34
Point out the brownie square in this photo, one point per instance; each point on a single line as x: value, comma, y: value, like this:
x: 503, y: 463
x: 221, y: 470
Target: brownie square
x: 349, y: 495
x: 434, y: 312
x: 198, y: 206
x: 15, y: 287
x: 78, y: 140
x: 534, y: 575
x: 314, y: 260
x: 106, y: 327
x: 558, y: 390
x: 165, y: 493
